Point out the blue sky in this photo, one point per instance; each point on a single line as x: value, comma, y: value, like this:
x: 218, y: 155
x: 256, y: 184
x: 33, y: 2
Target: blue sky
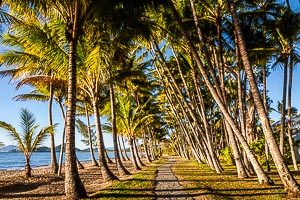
x: 9, y: 109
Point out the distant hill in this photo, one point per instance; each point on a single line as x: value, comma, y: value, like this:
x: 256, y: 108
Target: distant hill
x: 109, y: 149
x: 9, y: 148
x: 43, y: 149
x: 57, y: 148
x: 13, y: 148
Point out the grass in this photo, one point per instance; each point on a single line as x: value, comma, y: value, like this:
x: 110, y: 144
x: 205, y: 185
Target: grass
x: 200, y: 181
x: 139, y: 186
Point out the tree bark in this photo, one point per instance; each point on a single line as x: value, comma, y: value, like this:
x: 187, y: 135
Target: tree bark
x: 120, y: 149
x: 27, y: 167
x: 121, y: 169
x: 105, y: 171
x: 262, y: 177
x: 126, y: 155
x: 54, y: 166
x: 146, y: 146
x: 264, y: 74
x: 288, y: 180
x: 136, y: 151
x: 79, y: 165
x: 133, y: 156
x: 290, y: 83
x: 152, y: 153
x: 94, y: 162
x: 283, y: 106
x: 74, y: 188
x: 62, y: 146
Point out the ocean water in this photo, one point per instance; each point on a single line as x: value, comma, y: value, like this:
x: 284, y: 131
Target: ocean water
x: 16, y: 160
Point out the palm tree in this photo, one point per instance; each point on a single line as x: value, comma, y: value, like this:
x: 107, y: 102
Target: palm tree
x: 131, y: 120
x: 28, y: 140
x: 42, y: 93
x: 212, y: 87
x: 33, y: 61
x: 74, y: 15
x: 89, y: 137
x: 287, y: 178
x: 92, y: 81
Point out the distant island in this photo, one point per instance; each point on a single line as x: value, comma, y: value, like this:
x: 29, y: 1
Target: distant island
x: 13, y: 148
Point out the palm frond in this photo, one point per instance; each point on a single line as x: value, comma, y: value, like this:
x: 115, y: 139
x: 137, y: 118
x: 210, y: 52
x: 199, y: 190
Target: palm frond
x: 28, y: 123
x: 41, y: 137
x: 34, y: 81
x: 35, y: 97
x: 13, y: 134
x: 107, y: 127
x: 82, y: 128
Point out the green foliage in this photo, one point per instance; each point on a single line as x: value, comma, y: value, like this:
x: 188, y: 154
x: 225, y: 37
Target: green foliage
x: 211, y: 185
x: 258, y: 149
x: 168, y: 148
x: 29, y: 139
x: 83, y: 130
x: 138, y: 186
x: 226, y: 155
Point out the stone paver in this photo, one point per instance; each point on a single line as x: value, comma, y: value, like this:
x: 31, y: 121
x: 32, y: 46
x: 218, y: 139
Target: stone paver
x: 167, y: 185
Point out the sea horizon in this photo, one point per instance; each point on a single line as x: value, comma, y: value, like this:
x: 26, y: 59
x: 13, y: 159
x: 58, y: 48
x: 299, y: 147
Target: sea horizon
x: 16, y: 160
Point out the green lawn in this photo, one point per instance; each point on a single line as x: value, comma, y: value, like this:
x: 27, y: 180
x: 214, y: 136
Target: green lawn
x: 139, y: 186
x: 199, y: 181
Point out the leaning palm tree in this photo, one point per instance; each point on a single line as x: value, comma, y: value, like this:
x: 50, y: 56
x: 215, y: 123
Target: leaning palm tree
x: 28, y: 140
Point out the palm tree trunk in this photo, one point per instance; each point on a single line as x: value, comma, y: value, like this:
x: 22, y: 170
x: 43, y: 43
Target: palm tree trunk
x: 283, y: 106
x: 204, y: 139
x: 27, y: 167
x: 120, y: 149
x: 54, y: 166
x: 287, y: 178
x: 133, y: 156
x: 184, y: 130
x: 139, y: 148
x: 74, y: 188
x: 126, y: 155
x: 136, y: 151
x: 264, y: 76
x: 290, y: 83
x: 80, y: 166
x: 262, y: 177
x: 62, y: 146
x: 146, y: 146
x: 121, y: 169
x: 152, y: 153
x: 61, y: 153
x: 206, y: 133
x: 105, y: 171
x: 236, y: 153
x: 94, y: 162
x: 108, y: 160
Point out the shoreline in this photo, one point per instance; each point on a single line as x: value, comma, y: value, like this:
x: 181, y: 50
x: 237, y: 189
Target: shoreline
x: 15, y: 161
x: 48, y: 186
x: 23, y: 168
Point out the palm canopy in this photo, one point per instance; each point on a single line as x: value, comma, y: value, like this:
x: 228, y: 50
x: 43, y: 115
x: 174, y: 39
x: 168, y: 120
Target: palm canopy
x: 28, y: 139
x: 132, y: 118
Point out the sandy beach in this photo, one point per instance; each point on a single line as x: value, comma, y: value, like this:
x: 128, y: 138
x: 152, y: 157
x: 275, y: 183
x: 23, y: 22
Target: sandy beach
x: 45, y: 185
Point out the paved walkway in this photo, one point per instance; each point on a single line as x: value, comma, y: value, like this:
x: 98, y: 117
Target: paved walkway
x: 167, y: 185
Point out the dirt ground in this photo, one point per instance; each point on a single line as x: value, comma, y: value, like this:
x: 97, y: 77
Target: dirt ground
x: 45, y: 185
